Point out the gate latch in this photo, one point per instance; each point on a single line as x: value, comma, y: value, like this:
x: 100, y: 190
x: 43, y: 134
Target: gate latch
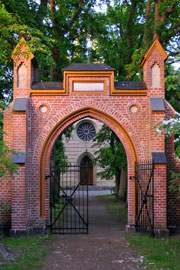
x: 69, y: 199
x: 144, y: 199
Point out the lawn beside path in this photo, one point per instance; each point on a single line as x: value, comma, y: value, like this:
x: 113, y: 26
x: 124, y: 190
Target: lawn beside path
x: 158, y: 253
x: 32, y: 252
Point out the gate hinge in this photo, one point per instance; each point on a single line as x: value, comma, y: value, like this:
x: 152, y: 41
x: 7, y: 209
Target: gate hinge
x: 47, y: 176
x: 132, y: 177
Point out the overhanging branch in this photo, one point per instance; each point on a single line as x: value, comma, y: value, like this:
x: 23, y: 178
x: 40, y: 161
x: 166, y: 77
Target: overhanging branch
x: 76, y: 14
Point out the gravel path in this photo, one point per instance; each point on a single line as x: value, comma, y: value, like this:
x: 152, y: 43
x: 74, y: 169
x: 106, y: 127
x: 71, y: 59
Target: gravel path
x: 104, y: 248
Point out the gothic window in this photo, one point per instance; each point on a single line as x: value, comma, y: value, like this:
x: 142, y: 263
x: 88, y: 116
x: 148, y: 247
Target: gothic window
x: 86, y: 131
x: 21, y: 76
x: 155, y: 76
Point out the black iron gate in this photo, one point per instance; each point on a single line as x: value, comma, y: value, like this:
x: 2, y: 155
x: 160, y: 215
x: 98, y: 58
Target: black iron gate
x: 68, y: 200
x: 144, y: 183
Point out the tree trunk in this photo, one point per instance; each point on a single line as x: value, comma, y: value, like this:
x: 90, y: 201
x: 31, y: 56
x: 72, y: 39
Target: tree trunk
x: 156, y: 19
x: 123, y: 185
x: 147, y: 37
x: 160, y: 19
x: 55, y: 51
x: 129, y: 30
x: 54, y: 75
x: 53, y: 71
x: 117, y: 181
x: 41, y: 12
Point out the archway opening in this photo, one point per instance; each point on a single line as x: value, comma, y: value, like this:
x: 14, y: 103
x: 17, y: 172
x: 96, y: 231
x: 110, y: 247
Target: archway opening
x: 113, y: 124
x: 86, y: 153
x: 89, y: 141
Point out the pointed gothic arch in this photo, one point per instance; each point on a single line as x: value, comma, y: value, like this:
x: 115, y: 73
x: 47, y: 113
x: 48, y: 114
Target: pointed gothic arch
x: 112, y: 123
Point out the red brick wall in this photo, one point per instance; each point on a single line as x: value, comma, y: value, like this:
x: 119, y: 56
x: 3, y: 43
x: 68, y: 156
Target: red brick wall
x: 160, y: 199
x: 29, y: 133
x: 137, y: 126
x: 5, y: 191
x: 157, y: 139
x: 173, y: 165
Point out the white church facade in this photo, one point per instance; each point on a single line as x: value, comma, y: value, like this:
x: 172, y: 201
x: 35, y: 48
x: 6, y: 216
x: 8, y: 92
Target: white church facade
x: 80, y: 150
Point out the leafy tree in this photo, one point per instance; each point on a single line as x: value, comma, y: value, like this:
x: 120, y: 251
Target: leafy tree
x: 6, y: 165
x: 131, y: 26
x: 172, y: 127
x: 58, y: 156
x: 56, y: 32
x: 111, y: 155
x: 172, y: 83
x: 59, y: 163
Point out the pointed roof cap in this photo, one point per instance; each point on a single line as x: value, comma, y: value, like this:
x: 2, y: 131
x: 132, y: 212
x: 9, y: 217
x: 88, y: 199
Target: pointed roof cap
x: 22, y: 47
x: 158, y: 45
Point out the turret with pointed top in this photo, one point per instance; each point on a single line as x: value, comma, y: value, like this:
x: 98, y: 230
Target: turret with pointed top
x: 153, y: 69
x: 24, y: 67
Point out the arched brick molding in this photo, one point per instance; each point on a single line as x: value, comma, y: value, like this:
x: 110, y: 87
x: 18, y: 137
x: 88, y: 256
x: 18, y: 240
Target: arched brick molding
x: 83, y: 106
x: 114, y: 124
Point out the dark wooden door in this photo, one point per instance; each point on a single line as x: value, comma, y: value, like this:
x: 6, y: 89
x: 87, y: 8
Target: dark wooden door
x: 86, y: 171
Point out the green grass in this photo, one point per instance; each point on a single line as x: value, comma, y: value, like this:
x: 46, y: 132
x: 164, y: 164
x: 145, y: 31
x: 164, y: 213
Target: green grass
x: 163, y: 254
x: 159, y: 253
x: 28, y: 252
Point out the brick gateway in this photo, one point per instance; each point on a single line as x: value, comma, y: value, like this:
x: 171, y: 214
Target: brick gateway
x: 40, y: 111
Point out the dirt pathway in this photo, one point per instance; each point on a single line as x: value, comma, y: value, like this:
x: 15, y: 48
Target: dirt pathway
x: 104, y: 248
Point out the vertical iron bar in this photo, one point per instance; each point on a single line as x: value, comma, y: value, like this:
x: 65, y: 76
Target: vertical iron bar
x: 152, y: 198
x: 79, y: 199
x: 50, y: 198
x: 87, y: 210
x: 66, y: 207
x: 64, y: 214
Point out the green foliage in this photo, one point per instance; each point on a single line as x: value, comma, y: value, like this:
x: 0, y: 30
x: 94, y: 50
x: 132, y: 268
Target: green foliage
x: 59, y: 162
x: 120, y: 36
x: 171, y: 127
x: 29, y: 252
x: 172, y: 83
x: 111, y: 155
x: 157, y: 253
x: 58, y: 153
x: 174, y: 183
x: 17, y: 19
x: 53, y: 36
x: 6, y: 165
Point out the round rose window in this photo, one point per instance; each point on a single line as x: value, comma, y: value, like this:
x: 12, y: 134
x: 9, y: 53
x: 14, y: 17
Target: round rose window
x: 86, y: 131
